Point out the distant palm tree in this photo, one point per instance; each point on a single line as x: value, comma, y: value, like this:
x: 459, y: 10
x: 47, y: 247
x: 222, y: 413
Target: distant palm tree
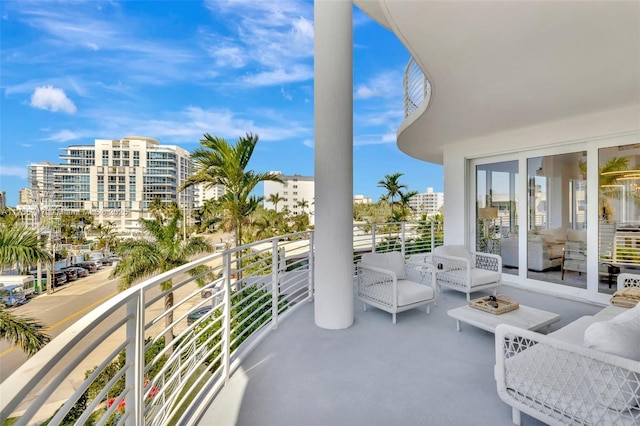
x: 219, y: 163
x: 275, y: 199
x: 405, y: 198
x: 163, y: 251
x: 303, y: 204
x: 19, y: 247
x: 393, y: 187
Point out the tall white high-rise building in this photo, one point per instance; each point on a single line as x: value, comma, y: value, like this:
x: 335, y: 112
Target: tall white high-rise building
x: 116, y: 180
x: 428, y: 202
x: 295, y: 190
x: 204, y: 193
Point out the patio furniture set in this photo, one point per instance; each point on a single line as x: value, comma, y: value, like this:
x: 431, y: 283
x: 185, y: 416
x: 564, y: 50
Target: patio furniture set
x: 587, y: 372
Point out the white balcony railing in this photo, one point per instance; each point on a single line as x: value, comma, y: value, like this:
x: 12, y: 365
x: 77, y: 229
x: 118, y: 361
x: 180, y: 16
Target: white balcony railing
x: 134, y: 361
x: 417, y: 88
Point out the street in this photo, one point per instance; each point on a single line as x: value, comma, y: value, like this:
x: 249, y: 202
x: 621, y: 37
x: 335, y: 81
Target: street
x: 58, y: 311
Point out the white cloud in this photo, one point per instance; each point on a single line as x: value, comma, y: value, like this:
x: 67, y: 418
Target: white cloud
x: 64, y: 136
x: 297, y: 73
x: 19, y: 171
x: 377, y: 139
x: 52, y: 99
x: 275, y: 36
x: 384, y: 85
x: 309, y: 143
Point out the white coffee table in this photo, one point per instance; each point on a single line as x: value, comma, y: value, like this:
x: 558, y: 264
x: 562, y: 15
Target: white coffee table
x: 524, y: 317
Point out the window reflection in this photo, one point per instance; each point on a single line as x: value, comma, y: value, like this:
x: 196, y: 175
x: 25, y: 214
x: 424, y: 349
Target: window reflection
x: 619, y: 212
x: 557, y: 219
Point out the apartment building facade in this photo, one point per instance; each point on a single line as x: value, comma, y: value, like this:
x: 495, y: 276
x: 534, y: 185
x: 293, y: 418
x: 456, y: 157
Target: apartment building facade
x: 297, y: 192
x: 115, y: 180
x: 428, y: 202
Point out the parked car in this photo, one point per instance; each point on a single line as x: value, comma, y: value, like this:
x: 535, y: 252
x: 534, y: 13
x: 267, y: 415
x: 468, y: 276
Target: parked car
x: 59, y: 278
x: 71, y: 274
x: 198, y: 313
x: 80, y: 272
x: 109, y: 261
x: 12, y: 295
x: 89, y: 265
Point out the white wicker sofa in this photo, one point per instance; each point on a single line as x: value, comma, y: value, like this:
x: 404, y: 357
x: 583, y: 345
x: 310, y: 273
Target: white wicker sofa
x: 587, y: 372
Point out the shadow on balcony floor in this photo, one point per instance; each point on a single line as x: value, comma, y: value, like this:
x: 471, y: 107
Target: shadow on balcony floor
x: 417, y: 372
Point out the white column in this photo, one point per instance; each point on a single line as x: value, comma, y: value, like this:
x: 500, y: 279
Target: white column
x: 333, y: 103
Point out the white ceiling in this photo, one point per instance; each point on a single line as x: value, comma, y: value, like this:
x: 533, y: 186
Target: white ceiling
x: 504, y: 65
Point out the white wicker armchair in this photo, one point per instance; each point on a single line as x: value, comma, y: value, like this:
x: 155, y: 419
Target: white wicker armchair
x: 465, y: 271
x: 387, y: 282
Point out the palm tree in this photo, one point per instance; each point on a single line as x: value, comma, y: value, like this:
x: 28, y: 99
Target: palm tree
x: 405, y: 197
x: 107, y: 238
x: 19, y: 247
x: 303, y: 204
x: 275, y: 199
x: 24, y: 332
x: 393, y: 187
x: 219, y: 163
x: 163, y: 251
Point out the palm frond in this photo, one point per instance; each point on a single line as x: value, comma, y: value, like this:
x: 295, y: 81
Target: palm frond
x: 24, y: 332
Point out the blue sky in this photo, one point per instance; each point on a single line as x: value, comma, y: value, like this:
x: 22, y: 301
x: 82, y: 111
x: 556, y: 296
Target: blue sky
x: 75, y: 71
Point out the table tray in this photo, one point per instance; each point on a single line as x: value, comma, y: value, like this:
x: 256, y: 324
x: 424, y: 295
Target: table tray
x: 504, y: 304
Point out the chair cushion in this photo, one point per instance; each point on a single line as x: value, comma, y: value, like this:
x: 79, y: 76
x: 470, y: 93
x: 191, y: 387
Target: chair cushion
x: 454, y: 250
x: 478, y: 276
x: 411, y: 292
x: 393, y: 261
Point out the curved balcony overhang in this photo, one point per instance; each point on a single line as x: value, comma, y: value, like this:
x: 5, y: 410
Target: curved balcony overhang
x: 501, y: 66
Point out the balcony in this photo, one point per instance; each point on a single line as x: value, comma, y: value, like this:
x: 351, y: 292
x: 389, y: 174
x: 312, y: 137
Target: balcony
x: 256, y: 356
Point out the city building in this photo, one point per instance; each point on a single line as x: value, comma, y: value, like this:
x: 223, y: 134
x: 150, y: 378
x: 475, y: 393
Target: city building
x: 295, y: 191
x: 428, y: 202
x: 25, y: 196
x: 115, y: 180
x: 204, y: 193
x: 362, y: 199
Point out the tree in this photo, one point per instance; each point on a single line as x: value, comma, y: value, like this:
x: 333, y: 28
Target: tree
x: 405, y: 197
x: 303, y: 204
x: 393, y: 187
x: 163, y: 251
x: 107, y: 238
x: 24, y: 332
x: 219, y: 163
x: 19, y: 247
x: 275, y: 199
x: 162, y: 210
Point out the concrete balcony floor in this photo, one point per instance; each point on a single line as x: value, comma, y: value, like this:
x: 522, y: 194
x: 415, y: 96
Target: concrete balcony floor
x: 420, y: 371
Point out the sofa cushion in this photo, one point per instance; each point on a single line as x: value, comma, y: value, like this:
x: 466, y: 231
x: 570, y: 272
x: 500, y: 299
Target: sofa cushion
x: 411, y: 292
x: 577, y: 235
x: 393, y: 261
x: 618, y: 336
x: 553, y: 235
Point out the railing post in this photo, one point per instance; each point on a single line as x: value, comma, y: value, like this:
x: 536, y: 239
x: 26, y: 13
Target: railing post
x: 226, y: 315
x: 373, y: 236
x: 311, y: 266
x: 402, y: 237
x: 134, y: 380
x: 275, y: 282
x: 433, y: 235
